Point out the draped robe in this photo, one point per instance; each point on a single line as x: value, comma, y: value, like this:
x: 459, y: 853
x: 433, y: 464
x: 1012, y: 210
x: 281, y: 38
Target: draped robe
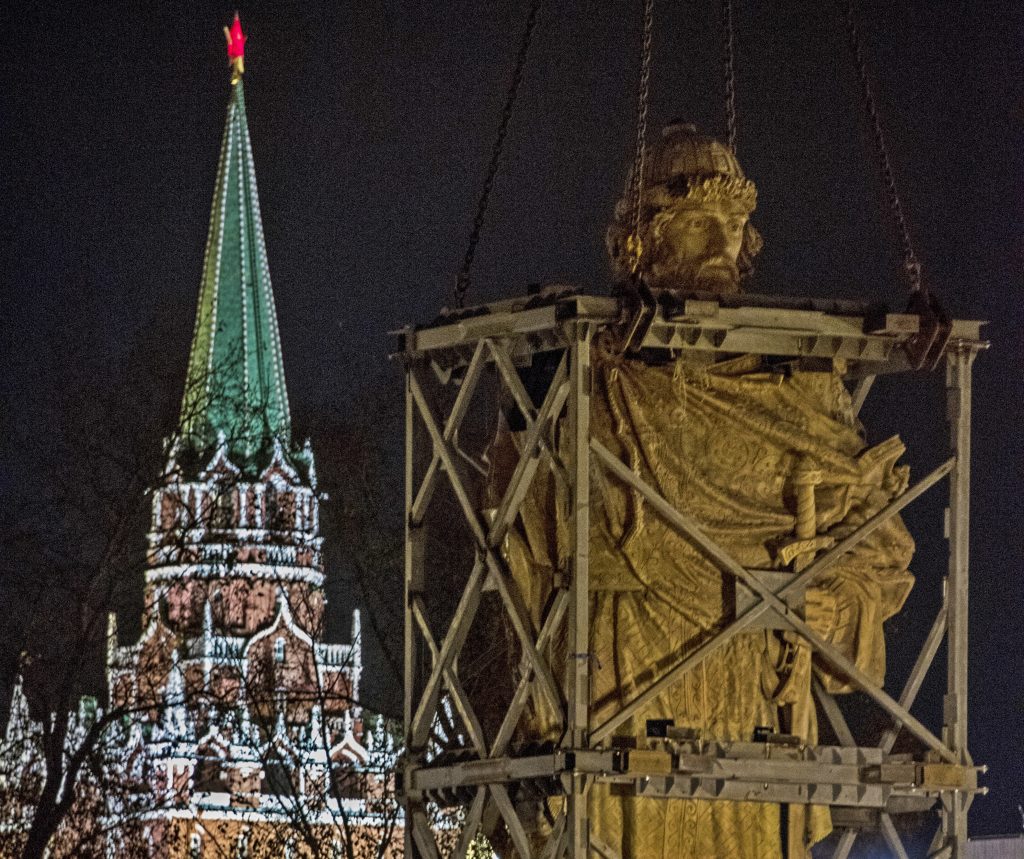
x: 722, y: 443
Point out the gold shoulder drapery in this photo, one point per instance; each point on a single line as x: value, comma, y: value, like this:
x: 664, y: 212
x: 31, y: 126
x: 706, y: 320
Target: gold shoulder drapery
x: 725, y: 444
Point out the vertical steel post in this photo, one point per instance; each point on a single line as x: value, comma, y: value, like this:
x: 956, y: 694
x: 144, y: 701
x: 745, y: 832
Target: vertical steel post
x: 958, y: 403
x: 578, y: 667
x: 412, y: 577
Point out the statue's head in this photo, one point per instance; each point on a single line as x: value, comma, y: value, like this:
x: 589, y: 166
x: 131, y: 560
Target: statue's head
x: 694, y: 217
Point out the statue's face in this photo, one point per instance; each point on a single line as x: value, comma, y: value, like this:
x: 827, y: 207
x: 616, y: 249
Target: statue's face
x: 695, y: 245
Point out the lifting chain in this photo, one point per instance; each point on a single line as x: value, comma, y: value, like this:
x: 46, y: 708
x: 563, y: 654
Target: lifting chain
x: 463, y: 279
x: 910, y: 261
x: 635, y: 190
x: 729, y: 61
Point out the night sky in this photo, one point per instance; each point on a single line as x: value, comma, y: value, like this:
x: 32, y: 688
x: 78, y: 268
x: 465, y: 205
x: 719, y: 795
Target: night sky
x: 372, y: 125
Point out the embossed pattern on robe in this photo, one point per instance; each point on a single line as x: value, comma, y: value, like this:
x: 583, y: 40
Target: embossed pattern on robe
x: 721, y: 444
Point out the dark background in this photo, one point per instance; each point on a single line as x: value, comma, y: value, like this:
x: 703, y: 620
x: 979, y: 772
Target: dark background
x: 371, y: 127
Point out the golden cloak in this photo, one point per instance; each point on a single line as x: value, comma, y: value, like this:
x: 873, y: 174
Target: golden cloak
x: 721, y: 443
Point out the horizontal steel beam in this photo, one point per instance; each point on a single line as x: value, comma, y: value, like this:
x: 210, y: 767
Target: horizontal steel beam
x: 864, y: 795
x: 860, y: 777
x: 695, y: 325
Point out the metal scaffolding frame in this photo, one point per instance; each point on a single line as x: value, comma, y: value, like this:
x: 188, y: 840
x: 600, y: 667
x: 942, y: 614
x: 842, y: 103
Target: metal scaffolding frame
x: 865, y: 786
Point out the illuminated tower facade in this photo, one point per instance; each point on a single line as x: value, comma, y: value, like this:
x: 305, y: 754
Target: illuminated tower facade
x: 246, y: 717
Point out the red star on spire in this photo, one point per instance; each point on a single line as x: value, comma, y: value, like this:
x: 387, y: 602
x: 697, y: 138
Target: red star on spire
x: 236, y: 48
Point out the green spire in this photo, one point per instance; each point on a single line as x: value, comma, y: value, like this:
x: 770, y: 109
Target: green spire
x: 235, y: 384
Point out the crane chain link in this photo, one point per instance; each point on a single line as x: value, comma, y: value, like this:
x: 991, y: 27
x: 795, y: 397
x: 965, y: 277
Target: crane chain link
x: 463, y: 280
x: 729, y: 61
x: 636, y: 178
x: 910, y: 261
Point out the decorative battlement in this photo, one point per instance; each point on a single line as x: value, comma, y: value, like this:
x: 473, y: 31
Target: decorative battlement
x: 285, y: 572
x: 335, y: 655
x: 221, y: 496
x: 222, y: 648
x: 262, y: 509
x: 200, y: 558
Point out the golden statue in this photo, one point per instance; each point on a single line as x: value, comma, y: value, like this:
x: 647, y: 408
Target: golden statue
x: 771, y: 462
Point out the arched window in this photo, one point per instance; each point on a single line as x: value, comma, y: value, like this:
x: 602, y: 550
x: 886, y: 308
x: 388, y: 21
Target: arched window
x: 210, y: 776
x: 277, y: 779
x: 349, y: 783
x: 280, y: 507
x: 270, y: 506
x: 223, y: 507
x: 279, y: 649
x: 217, y: 607
x: 195, y: 846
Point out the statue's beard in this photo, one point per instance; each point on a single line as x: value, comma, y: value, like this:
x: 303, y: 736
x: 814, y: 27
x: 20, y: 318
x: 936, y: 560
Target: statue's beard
x: 717, y: 274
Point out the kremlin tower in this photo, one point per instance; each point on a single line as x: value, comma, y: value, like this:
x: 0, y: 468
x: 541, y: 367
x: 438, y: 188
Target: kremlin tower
x: 242, y: 735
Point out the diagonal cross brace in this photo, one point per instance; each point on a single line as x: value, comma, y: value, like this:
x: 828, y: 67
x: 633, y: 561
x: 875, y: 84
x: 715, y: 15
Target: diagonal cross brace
x: 460, y: 627
x: 774, y: 602
x: 464, y: 614
x: 496, y: 567
x: 845, y: 844
x: 451, y: 679
x: 533, y: 443
x: 523, y: 401
x: 755, y: 611
x: 422, y: 835
x: 907, y: 697
x: 770, y: 600
x: 472, y: 824
x: 917, y: 674
x: 515, y: 708
x: 538, y: 423
x: 555, y: 846
x: 451, y: 429
x: 512, y: 822
x: 892, y: 837
x: 832, y: 712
